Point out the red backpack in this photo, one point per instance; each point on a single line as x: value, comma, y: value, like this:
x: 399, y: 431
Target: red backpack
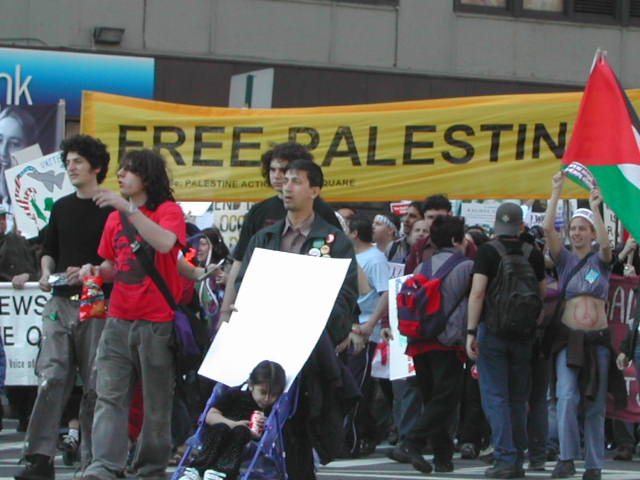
x: 420, y: 313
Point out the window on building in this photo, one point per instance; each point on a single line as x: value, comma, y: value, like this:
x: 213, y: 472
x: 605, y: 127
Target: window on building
x: 543, y: 5
x: 620, y: 12
x: 391, y: 3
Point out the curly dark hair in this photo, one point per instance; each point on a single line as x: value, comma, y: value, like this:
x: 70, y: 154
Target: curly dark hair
x: 289, y: 151
x: 152, y: 170
x: 90, y: 148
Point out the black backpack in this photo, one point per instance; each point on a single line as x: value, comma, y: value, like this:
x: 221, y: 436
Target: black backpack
x: 512, y: 303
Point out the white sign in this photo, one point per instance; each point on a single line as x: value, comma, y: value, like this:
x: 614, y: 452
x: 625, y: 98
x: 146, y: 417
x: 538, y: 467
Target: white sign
x: 282, y: 307
x: 229, y: 217
x: 400, y: 365
x: 21, y: 330
x: 479, y: 214
x: 34, y: 187
x: 252, y: 89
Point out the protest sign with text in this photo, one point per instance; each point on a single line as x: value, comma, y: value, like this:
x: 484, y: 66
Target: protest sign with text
x: 485, y: 147
x: 21, y: 330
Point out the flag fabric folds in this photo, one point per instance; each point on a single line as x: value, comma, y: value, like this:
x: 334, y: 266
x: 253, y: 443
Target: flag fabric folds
x: 605, y: 145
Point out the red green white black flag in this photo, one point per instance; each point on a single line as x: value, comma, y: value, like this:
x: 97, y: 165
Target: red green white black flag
x: 605, y: 145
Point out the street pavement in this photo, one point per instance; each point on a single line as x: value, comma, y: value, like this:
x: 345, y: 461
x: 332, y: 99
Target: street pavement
x: 376, y: 466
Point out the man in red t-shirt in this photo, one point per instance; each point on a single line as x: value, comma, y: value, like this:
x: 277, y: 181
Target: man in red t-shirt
x: 136, y: 342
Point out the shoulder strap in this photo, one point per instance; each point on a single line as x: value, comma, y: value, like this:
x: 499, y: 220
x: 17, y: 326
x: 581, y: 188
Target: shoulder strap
x: 563, y: 292
x: 451, y: 262
x: 146, y: 262
x: 575, y: 270
x: 392, y: 251
x: 500, y: 248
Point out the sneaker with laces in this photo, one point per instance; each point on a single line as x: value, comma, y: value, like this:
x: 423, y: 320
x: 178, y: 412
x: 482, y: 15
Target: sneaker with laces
x: 213, y: 475
x: 69, y: 448
x: 191, y: 474
x: 592, y: 474
x: 564, y: 469
x: 468, y: 451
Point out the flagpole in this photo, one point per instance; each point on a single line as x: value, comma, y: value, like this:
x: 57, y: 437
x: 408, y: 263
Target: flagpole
x: 600, y: 53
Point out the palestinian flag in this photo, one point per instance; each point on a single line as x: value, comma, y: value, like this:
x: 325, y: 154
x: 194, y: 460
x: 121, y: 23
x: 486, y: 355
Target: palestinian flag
x: 605, y: 145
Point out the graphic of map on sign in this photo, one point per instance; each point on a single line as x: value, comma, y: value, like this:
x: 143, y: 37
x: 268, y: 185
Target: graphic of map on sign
x: 34, y: 187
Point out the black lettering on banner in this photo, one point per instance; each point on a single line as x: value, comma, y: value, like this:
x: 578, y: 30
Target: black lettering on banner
x: 237, y: 145
x: 541, y: 133
x: 233, y: 223
x: 495, y: 130
x: 410, y: 144
x: 33, y: 336
x: 8, y: 336
x: 199, y: 144
x: 454, y: 142
x: 5, y: 304
x: 312, y: 133
x: 40, y: 302
x: 373, y: 146
x: 124, y: 143
x: 171, y: 147
x: 22, y: 305
x: 522, y: 136
x: 224, y: 223
x: 351, y: 151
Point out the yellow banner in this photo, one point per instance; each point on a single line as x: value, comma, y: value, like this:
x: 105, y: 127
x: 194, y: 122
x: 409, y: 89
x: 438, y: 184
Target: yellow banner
x: 506, y: 146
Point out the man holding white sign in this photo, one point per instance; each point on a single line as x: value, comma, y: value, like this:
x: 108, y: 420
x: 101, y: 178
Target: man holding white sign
x: 68, y: 345
x: 304, y: 232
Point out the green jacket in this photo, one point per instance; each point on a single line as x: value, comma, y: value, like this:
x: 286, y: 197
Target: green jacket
x: 343, y: 313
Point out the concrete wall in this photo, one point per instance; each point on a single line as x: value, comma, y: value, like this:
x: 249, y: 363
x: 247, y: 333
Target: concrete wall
x: 423, y: 37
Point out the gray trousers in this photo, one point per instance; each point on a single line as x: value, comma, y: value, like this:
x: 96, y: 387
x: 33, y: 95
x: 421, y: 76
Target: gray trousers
x: 67, y: 347
x: 132, y: 351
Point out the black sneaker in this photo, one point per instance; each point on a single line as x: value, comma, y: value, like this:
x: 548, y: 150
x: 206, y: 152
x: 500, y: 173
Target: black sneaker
x: 504, y: 471
x: 69, y: 447
x: 398, y: 454
x: 624, y: 453
x: 468, y: 451
x: 442, y: 466
x: 416, y: 460
x: 592, y: 474
x: 564, y: 469
x: 38, y: 467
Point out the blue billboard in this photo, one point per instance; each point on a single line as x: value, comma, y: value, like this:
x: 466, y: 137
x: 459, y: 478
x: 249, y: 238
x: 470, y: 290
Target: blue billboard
x: 31, y: 77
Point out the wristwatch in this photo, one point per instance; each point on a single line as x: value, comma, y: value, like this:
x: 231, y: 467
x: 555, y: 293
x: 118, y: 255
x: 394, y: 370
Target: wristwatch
x: 472, y: 331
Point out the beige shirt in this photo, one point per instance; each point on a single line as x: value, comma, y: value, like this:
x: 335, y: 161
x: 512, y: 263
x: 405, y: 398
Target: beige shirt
x: 294, y: 237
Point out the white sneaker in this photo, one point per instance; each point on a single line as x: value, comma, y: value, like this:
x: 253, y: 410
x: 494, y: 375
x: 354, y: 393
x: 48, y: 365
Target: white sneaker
x: 213, y: 475
x: 191, y: 474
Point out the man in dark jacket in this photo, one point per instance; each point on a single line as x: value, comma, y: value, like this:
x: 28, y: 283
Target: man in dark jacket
x: 304, y: 232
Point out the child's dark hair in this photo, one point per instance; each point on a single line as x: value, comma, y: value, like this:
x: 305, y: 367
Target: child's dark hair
x: 269, y: 373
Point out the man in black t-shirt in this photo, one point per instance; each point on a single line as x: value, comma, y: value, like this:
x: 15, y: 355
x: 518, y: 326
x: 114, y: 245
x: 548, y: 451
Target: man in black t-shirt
x: 263, y: 214
x: 504, y: 363
x: 68, y: 345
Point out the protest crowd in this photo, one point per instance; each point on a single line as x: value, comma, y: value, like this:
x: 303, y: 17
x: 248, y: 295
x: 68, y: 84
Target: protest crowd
x: 506, y: 328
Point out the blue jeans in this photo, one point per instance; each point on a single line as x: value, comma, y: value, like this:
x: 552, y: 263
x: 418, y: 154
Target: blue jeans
x: 537, y: 421
x: 569, y: 396
x: 505, y: 371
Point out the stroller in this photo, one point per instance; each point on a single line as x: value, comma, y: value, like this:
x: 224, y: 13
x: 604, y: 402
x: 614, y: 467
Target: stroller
x: 267, y: 455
